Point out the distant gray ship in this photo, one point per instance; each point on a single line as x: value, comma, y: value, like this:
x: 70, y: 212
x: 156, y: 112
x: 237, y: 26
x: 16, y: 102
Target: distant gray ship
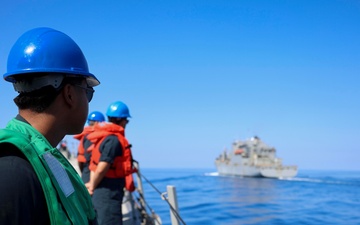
x: 253, y: 158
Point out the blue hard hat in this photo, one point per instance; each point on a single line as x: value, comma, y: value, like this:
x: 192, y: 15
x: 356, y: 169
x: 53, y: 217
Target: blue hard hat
x: 45, y: 50
x: 118, y: 110
x: 96, y: 116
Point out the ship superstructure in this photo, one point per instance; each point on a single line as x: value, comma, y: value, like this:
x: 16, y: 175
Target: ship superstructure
x: 253, y: 158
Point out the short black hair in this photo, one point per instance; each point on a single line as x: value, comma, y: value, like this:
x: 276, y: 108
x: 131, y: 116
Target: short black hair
x: 39, y: 100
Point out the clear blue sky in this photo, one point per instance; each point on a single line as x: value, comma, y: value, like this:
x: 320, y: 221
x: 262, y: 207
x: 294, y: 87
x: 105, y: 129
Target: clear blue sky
x: 198, y: 75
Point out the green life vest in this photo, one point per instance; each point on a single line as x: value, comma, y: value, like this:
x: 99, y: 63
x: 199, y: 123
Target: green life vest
x: 67, y: 198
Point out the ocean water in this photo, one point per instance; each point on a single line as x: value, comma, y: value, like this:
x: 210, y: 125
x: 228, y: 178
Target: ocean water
x: 204, y: 197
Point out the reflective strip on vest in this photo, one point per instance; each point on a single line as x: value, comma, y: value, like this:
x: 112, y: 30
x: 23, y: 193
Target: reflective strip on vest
x: 60, y: 174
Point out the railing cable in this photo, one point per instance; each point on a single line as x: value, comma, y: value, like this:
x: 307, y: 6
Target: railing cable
x: 164, y: 198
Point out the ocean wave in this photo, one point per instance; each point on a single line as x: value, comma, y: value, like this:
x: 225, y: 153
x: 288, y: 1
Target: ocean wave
x: 309, y: 198
x: 212, y: 174
x: 324, y: 181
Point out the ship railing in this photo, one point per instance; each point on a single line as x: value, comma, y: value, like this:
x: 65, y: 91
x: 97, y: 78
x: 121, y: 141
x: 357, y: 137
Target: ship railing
x: 170, y: 197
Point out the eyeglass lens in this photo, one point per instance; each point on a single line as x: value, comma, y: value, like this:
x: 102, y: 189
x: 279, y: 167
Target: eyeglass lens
x: 88, y: 90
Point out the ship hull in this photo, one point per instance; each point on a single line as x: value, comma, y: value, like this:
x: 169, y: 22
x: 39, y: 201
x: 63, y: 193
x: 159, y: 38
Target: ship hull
x: 238, y: 170
x: 256, y: 171
x: 283, y: 172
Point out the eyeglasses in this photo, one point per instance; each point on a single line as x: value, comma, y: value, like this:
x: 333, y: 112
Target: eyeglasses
x: 89, y: 91
x: 124, y: 119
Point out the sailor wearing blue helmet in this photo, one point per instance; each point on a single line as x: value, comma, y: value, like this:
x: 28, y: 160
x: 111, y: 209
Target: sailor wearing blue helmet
x: 38, y: 185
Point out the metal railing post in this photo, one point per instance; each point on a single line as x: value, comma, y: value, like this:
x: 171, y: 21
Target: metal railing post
x: 140, y: 186
x: 171, y: 191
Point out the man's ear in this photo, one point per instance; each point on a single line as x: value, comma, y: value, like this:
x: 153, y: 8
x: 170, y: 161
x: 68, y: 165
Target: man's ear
x: 68, y: 94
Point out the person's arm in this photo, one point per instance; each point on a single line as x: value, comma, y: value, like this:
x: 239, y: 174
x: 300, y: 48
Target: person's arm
x: 110, y: 148
x: 22, y: 200
x: 97, y: 176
